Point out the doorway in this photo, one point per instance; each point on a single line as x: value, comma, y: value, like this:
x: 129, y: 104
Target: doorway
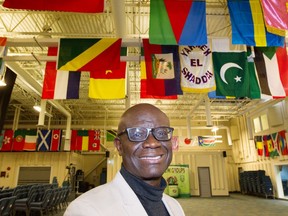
x: 204, y: 181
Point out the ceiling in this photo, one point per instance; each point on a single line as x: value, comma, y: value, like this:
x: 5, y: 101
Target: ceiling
x: 29, y: 34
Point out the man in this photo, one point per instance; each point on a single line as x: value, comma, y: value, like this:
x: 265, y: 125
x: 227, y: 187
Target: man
x: 144, y: 142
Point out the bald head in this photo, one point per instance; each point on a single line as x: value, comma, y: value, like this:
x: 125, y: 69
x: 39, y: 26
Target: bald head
x: 141, y: 115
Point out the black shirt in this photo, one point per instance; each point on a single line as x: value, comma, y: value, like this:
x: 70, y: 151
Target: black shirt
x: 149, y: 196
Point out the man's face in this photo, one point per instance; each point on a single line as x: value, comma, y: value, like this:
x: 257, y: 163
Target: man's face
x: 150, y: 158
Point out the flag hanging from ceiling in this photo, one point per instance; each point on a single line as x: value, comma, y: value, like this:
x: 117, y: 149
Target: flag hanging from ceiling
x: 30, y: 140
x: 3, y: 41
x: 108, y: 84
x: 248, y: 25
x: 231, y: 70
x: 179, y: 22
x: 275, y: 16
x: 259, y: 145
x: 1, y: 138
x: 162, y: 69
x: 84, y: 6
x: 7, y: 140
x: 196, y: 69
x: 111, y: 135
x: 89, y: 54
x: 59, y: 84
x: 272, y: 69
x: 94, y: 140
x: 19, y: 140
x: 5, y: 94
x: 143, y: 86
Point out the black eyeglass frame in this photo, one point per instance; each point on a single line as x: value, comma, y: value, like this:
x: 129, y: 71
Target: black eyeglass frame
x: 148, y: 132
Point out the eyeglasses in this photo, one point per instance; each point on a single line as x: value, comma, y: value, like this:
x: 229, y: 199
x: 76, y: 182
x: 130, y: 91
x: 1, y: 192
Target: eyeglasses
x: 139, y: 134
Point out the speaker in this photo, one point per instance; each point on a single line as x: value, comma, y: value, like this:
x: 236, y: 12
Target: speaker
x: 224, y: 154
x: 107, y: 154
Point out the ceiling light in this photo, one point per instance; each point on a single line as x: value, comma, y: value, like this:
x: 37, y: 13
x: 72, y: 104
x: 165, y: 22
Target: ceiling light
x: 215, y: 128
x: 37, y: 108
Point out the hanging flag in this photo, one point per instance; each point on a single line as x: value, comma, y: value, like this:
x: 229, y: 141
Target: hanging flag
x: 56, y: 138
x: 59, y: 84
x: 231, y: 70
x: 111, y: 135
x: 82, y: 140
x: 84, y: 6
x: 43, y: 140
x: 275, y: 16
x: 143, y: 85
x: 30, y: 140
x: 259, y: 145
x: 19, y: 140
x: 196, y: 69
x: 3, y: 41
x: 5, y: 94
x: 206, y: 141
x: 272, y: 69
x: 179, y: 22
x: 156, y: 85
x: 73, y: 141
x: 268, y: 145
x: 7, y: 140
x: 248, y: 25
x: 89, y: 54
x: 282, y: 142
x: 108, y: 84
x: 94, y: 140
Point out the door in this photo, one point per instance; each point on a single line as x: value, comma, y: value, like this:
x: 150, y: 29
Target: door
x: 204, y: 181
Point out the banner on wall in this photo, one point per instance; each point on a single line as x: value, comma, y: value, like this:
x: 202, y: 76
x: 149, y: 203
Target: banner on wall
x: 178, y: 175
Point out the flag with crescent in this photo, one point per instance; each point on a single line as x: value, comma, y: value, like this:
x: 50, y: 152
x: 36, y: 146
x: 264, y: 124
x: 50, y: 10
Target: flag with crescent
x: 196, y: 69
x: 231, y: 69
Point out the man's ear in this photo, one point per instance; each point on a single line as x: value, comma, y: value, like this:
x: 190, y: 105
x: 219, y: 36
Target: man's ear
x: 118, y: 145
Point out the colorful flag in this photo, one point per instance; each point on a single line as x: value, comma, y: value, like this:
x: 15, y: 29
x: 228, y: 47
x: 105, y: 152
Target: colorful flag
x: 19, y: 140
x: 59, y: 84
x: 155, y: 85
x: 206, y: 141
x: 268, y: 145
x: 179, y: 22
x: 108, y: 84
x: 94, y: 140
x: 5, y: 94
x: 3, y: 41
x: 275, y: 15
x: 248, y: 25
x: 30, y: 140
x: 196, y: 69
x: 84, y: 6
x: 143, y: 85
x: 89, y: 54
x: 282, y: 142
x: 231, y: 70
x: 259, y: 145
x: 73, y: 141
x: 56, y: 138
x: 7, y: 140
x: 111, y: 135
x: 272, y: 69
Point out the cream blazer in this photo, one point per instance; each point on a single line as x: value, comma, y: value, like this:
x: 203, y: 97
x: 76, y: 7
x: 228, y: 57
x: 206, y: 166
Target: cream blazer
x: 115, y: 198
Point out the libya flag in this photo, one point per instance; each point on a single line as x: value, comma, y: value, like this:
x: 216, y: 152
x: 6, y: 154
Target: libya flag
x: 231, y: 74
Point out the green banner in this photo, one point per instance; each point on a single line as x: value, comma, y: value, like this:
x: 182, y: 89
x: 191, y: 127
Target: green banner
x: 177, y: 175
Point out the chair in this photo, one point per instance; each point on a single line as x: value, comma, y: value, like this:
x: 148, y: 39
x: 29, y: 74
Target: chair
x: 6, y: 205
x: 42, y: 206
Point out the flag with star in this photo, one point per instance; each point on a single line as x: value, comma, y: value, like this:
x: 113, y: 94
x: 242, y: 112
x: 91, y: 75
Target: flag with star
x: 7, y: 140
x: 231, y: 70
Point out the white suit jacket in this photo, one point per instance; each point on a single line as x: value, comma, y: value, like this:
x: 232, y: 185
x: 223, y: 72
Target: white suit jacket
x: 115, y: 198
